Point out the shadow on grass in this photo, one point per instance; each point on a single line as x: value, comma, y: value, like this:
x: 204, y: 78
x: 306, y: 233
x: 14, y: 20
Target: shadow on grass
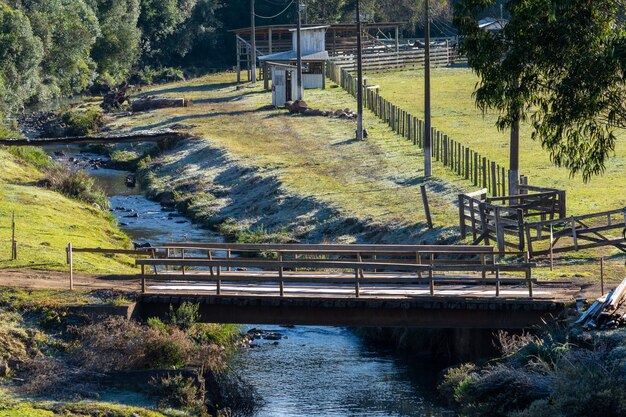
x: 179, y: 119
x: 187, y: 89
x: 349, y: 141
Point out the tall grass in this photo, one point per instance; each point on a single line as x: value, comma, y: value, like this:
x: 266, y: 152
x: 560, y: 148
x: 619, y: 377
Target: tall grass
x: 78, y: 185
x: 32, y: 155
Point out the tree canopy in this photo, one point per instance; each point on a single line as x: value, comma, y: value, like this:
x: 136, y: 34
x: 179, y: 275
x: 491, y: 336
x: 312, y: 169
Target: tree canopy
x: 560, y: 64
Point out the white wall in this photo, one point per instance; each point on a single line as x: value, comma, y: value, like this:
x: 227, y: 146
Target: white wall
x: 312, y: 81
x: 312, y: 41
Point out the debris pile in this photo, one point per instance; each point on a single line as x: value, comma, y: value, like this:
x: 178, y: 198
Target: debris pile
x: 607, y: 312
x: 116, y: 97
x: 301, y: 107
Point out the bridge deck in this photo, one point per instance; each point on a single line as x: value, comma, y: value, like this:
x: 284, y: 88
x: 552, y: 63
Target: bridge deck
x: 379, y: 285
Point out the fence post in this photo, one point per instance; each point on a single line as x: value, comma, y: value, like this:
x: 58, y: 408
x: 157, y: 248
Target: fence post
x: 13, y: 241
x: 429, y: 220
x: 462, y: 216
x: 467, y: 163
x: 70, y: 261
x: 551, y: 248
x: 499, y: 231
x: 475, y: 169
x: 494, y: 184
x: 484, y: 169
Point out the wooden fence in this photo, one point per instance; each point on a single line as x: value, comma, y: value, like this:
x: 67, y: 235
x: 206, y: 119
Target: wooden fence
x: 458, y: 158
x: 502, y: 219
x: 378, y: 60
x: 536, y: 220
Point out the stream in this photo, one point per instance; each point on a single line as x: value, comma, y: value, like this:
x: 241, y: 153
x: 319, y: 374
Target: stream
x: 311, y: 371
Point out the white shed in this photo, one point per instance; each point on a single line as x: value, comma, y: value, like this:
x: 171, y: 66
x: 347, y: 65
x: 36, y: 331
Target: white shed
x: 283, y: 70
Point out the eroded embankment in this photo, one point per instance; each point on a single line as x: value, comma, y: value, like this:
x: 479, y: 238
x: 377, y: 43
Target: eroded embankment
x: 249, y: 203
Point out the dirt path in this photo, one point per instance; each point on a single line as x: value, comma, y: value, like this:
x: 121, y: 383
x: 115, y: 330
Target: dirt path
x: 25, y: 278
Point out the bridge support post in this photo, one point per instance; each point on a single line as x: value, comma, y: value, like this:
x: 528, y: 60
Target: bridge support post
x: 143, y: 279
x: 497, y: 282
x: 431, y: 281
x: 357, y: 287
x: 280, y: 274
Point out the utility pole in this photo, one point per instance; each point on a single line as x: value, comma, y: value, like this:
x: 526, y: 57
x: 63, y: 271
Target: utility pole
x: 299, y: 93
x: 359, y: 74
x: 253, y: 41
x: 428, y: 156
x: 514, y: 154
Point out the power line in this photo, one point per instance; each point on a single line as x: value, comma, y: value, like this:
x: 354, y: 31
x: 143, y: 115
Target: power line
x: 275, y: 16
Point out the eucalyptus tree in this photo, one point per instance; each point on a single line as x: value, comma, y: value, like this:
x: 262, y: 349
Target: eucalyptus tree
x: 68, y: 29
x: 559, y: 64
x: 20, y: 55
x: 117, y: 49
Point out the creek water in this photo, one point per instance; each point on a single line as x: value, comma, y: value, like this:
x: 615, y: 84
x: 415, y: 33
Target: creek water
x: 311, y: 371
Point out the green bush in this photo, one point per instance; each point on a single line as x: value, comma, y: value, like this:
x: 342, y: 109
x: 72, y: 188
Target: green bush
x: 157, y: 324
x: 83, y: 123
x: 185, y: 316
x: 149, y: 75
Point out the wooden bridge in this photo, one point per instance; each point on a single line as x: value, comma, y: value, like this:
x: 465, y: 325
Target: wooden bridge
x: 430, y: 286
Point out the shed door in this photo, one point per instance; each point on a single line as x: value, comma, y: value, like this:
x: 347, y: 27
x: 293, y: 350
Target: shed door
x: 279, y: 94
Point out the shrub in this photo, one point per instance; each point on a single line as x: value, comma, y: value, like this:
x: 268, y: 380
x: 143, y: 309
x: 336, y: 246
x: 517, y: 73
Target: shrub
x: 83, y: 123
x: 157, y: 324
x: 178, y: 391
x: 172, y: 349
x: 78, y: 185
x: 120, y: 344
x: 185, y: 316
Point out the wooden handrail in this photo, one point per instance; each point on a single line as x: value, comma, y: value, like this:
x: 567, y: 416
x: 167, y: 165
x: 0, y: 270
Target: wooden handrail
x: 376, y: 248
x: 273, y: 264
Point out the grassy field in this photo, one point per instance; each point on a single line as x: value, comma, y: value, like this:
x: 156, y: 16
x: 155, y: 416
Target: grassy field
x: 455, y: 114
x: 317, y: 157
x: 377, y: 179
x: 46, y: 221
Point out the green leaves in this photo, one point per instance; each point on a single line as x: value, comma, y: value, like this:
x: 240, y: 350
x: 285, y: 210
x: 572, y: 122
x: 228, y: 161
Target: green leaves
x: 560, y: 63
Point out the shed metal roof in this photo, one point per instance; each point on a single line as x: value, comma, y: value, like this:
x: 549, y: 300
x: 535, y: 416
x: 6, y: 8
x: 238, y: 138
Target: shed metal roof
x: 293, y: 56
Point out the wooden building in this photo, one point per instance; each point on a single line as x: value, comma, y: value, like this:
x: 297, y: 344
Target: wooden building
x: 340, y: 40
x: 281, y: 66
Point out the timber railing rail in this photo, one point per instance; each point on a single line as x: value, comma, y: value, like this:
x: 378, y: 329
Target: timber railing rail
x: 607, y: 228
x: 70, y: 250
x: 458, y: 158
x: 357, y: 265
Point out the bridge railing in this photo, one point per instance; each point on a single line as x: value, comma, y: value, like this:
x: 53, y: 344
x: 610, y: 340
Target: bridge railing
x: 327, y: 264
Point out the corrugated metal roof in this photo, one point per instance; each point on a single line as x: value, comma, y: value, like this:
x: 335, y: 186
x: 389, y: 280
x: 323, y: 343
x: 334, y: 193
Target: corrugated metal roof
x: 293, y: 56
x: 310, y: 28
